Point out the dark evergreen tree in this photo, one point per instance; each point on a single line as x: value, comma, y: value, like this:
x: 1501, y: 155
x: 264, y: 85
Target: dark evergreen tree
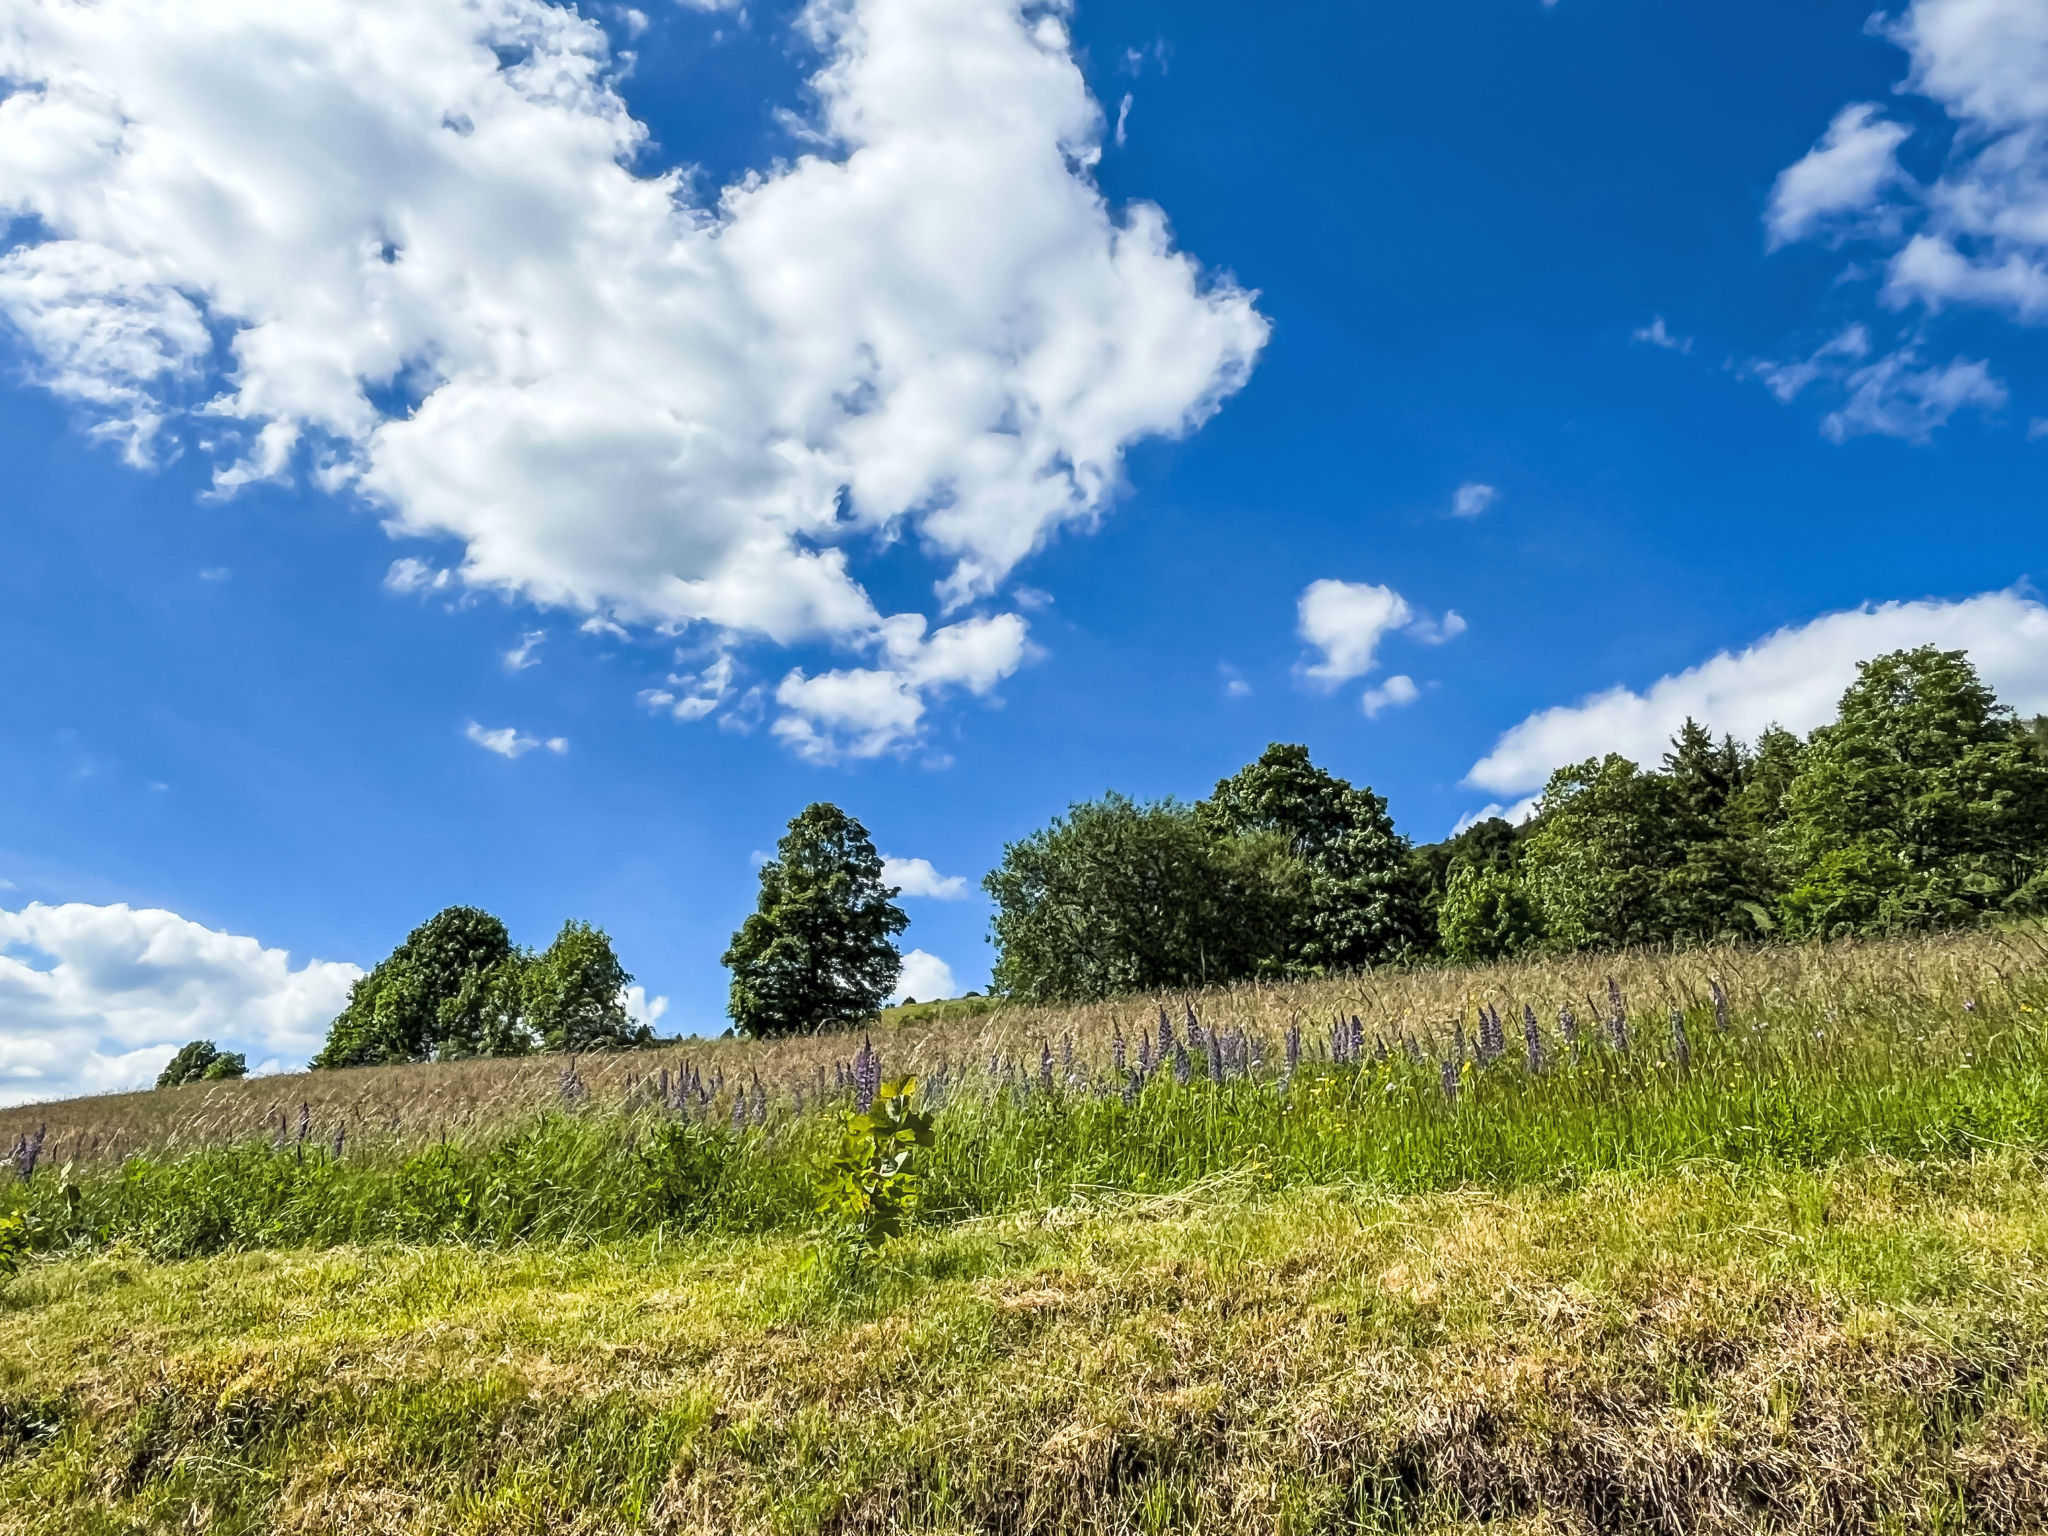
x: 1713, y: 881
x: 818, y: 952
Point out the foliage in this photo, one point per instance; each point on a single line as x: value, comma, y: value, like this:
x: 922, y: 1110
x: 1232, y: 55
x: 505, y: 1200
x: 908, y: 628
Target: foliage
x: 1363, y: 905
x: 1486, y: 914
x: 458, y: 988
x: 1120, y: 897
x: 202, y: 1061
x: 1924, y: 803
x: 872, y: 1185
x: 818, y: 951
x: 396, y: 1013
x: 14, y: 1243
x: 573, y: 993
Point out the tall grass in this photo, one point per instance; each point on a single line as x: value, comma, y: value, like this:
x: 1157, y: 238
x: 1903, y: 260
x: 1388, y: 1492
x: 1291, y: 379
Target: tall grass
x: 1413, y: 1081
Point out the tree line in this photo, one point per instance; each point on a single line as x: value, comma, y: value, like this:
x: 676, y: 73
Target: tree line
x: 1924, y: 803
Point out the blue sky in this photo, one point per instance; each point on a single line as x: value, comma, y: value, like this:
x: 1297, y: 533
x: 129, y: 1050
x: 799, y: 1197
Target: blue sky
x: 411, y: 498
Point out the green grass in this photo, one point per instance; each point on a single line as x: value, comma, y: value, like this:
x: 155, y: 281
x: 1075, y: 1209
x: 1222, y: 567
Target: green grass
x: 1709, y: 1348
x: 1793, y: 1280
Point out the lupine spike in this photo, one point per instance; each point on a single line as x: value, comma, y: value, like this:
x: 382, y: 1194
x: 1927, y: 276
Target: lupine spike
x: 305, y: 1120
x: 1166, y: 1041
x: 1183, y: 1069
x: 760, y: 1103
x: 1194, y: 1024
x: 1293, y: 1047
x: 1130, y: 1089
x: 1617, y: 1016
x: 1681, y: 1048
x: 1449, y: 1077
x: 1719, y: 994
x: 1145, y: 1053
x: 1357, y: 1041
x: 1044, y: 1067
x: 739, y: 1109
x: 1116, y: 1051
x: 1532, y: 1041
x: 1215, y: 1057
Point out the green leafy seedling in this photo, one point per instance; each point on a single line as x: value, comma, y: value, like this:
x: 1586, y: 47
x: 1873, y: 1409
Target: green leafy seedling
x: 871, y: 1186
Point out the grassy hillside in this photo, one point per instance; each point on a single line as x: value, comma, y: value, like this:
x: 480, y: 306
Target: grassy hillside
x: 1776, y: 1264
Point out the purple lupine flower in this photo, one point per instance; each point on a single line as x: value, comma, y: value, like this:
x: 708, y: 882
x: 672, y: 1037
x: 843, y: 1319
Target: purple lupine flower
x: 1116, y: 1052
x: 1681, y: 1048
x: 1194, y: 1025
x: 1492, y: 1038
x: 28, y: 1150
x: 867, y: 1066
x: 1293, y: 1047
x: 1340, y: 1037
x: 1256, y: 1056
x: 760, y: 1102
x: 1568, y: 1026
x: 1165, y: 1034
x: 1458, y: 1042
x: 1044, y: 1067
x: 1183, y: 1069
x: 570, y: 1084
x: 1215, y: 1058
x: 1449, y: 1077
x: 305, y: 1121
x: 1532, y: 1041
x: 1617, y: 1016
x: 1145, y: 1054
x: 1131, y: 1081
x: 340, y: 1136
x: 1719, y: 994
x: 739, y: 1109
x: 1356, y: 1039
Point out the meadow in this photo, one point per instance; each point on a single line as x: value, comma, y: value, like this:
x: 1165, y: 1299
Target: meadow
x: 1717, y: 1240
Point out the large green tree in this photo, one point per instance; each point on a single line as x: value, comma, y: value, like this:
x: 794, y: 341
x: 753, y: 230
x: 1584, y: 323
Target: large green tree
x: 574, y: 994
x: 426, y: 999
x: 1924, y: 803
x: 819, y: 950
x: 1597, y: 863
x: 1364, y: 903
x: 1116, y: 896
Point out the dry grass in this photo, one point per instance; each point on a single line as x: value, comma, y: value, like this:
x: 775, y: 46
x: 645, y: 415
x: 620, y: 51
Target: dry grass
x: 1890, y: 982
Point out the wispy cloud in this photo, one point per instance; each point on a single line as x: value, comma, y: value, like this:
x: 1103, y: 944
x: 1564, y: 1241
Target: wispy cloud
x: 507, y: 742
x: 1473, y: 499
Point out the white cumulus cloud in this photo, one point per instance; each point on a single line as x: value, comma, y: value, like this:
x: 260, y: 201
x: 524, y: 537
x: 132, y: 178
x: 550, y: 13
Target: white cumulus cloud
x: 1792, y: 678
x: 1975, y: 235
x: 1396, y: 692
x: 917, y: 877
x: 400, y: 246
x: 1346, y: 621
x: 96, y: 999
x: 925, y: 977
x: 1846, y: 175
